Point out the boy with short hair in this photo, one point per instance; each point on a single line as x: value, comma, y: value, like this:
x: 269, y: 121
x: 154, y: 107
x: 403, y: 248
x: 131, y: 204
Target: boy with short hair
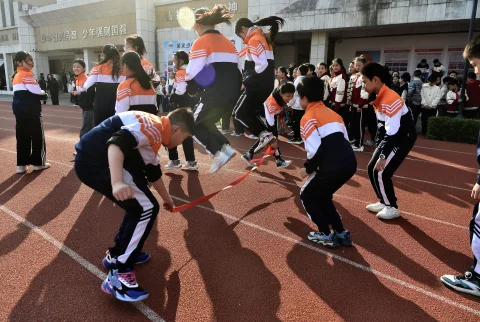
x: 395, y: 138
x: 119, y: 159
x: 469, y: 282
x: 330, y: 163
x: 415, y: 95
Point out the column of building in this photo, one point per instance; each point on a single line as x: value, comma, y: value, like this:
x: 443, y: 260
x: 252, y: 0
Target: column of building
x: 319, y: 47
x: 145, y: 24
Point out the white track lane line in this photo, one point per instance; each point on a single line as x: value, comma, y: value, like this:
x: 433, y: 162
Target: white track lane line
x: 49, y: 115
x: 144, y: 309
x: 364, y: 202
x: 362, y: 267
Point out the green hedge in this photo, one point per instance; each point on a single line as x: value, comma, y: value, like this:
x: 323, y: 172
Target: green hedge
x: 453, y: 129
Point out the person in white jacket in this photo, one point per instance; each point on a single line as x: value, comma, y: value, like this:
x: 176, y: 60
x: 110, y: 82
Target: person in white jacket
x: 297, y: 110
x: 431, y: 95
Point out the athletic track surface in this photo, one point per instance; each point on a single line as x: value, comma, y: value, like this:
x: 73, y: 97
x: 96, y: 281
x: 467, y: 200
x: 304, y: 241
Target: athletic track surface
x: 242, y: 256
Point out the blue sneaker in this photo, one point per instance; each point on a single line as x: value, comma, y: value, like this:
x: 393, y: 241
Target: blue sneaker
x: 123, y: 286
x: 344, y: 238
x: 110, y: 262
x: 322, y: 239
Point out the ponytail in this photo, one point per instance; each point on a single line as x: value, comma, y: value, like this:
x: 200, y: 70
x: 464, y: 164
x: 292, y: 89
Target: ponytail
x: 110, y: 52
x: 132, y: 60
x: 219, y: 14
x: 274, y: 22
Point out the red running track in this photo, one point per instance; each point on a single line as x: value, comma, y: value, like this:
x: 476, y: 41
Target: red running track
x: 242, y: 256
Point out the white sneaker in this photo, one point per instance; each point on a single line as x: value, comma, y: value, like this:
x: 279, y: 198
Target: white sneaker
x: 388, y: 213
x: 225, y: 131
x: 357, y: 148
x: 376, y: 207
x: 227, y: 149
x: 174, y: 164
x: 219, y: 160
x: 251, y: 136
x: 21, y: 169
x: 190, y: 166
x: 369, y: 143
x: 265, y: 139
x: 41, y: 167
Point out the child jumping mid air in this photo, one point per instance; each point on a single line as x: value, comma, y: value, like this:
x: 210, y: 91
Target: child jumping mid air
x: 395, y: 138
x: 330, y: 164
x: 119, y: 159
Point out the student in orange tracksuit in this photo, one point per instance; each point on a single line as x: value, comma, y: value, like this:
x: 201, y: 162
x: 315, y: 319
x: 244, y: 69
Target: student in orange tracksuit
x: 330, y: 164
x: 135, y: 43
x: 213, y: 74
x: 259, y: 75
x: 105, y: 77
x: 136, y: 92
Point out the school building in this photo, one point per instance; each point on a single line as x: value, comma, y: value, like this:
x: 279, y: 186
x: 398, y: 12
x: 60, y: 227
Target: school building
x: 397, y: 33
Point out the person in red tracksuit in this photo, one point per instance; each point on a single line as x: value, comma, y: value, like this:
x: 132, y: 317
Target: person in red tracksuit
x: 338, y: 90
x: 358, y: 101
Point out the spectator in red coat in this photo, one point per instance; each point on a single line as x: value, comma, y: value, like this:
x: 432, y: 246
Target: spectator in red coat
x: 473, y: 90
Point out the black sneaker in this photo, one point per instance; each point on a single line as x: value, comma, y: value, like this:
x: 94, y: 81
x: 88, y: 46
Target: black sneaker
x: 248, y: 159
x: 283, y: 163
x: 295, y: 141
x: 466, y: 283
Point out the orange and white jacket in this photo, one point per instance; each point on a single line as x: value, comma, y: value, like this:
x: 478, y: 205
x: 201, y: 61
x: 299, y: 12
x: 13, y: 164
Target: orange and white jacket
x: 395, y: 121
x: 179, y: 95
x: 27, y: 95
x: 213, y: 69
x: 259, y: 73
x: 138, y: 134
x: 131, y: 96
x: 274, y: 105
x: 326, y: 140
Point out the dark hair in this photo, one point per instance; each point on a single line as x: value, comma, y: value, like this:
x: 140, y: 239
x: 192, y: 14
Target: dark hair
x: 132, y: 60
x: 361, y: 59
x: 312, y: 88
x: 453, y: 72
x: 311, y: 67
x: 137, y: 41
x: 436, y: 61
x: 417, y: 73
x: 371, y: 70
x: 217, y: 15
x: 287, y: 88
x: 472, y: 75
x: 432, y: 79
x: 406, y: 77
x: 283, y: 70
x: 19, y: 57
x: 183, y: 117
x: 454, y: 82
x: 447, y: 80
x: 472, y: 49
x: 80, y: 62
x: 303, y: 69
x: 182, y: 55
x: 423, y: 61
x: 110, y: 52
x: 273, y: 22
x: 340, y: 62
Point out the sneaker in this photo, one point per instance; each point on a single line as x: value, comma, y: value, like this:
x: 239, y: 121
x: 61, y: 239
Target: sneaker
x: 291, y: 133
x: 219, y: 160
x: 388, y: 213
x: 124, y: 286
x: 74, y: 154
x: 248, y: 159
x: 322, y: 239
x: 344, y: 238
x: 190, y: 166
x: 369, y: 143
x: 283, y: 163
x: 376, y: 207
x: 219, y: 126
x: 174, y: 164
x: 265, y: 139
x: 295, y: 141
x: 466, y: 283
x: 110, y: 262
x: 236, y: 134
x: 252, y: 137
x: 41, y: 167
x: 227, y: 149
x: 21, y: 169
x: 357, y: 148
x: 225, y: 131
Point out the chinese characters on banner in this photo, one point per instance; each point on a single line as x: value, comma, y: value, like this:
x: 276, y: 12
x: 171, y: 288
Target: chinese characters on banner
x: 231, y: 5
x: 99, y: 32
x: 397, y: 60
x: 170, y: 47
x: 429, y: 54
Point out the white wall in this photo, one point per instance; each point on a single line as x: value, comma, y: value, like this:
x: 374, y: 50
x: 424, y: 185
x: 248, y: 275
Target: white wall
x: 346, y: 48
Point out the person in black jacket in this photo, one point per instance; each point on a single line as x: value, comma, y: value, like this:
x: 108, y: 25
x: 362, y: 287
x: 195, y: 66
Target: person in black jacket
x: 85, y: 98
x: 43, y: 84
x: 52, y: 85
